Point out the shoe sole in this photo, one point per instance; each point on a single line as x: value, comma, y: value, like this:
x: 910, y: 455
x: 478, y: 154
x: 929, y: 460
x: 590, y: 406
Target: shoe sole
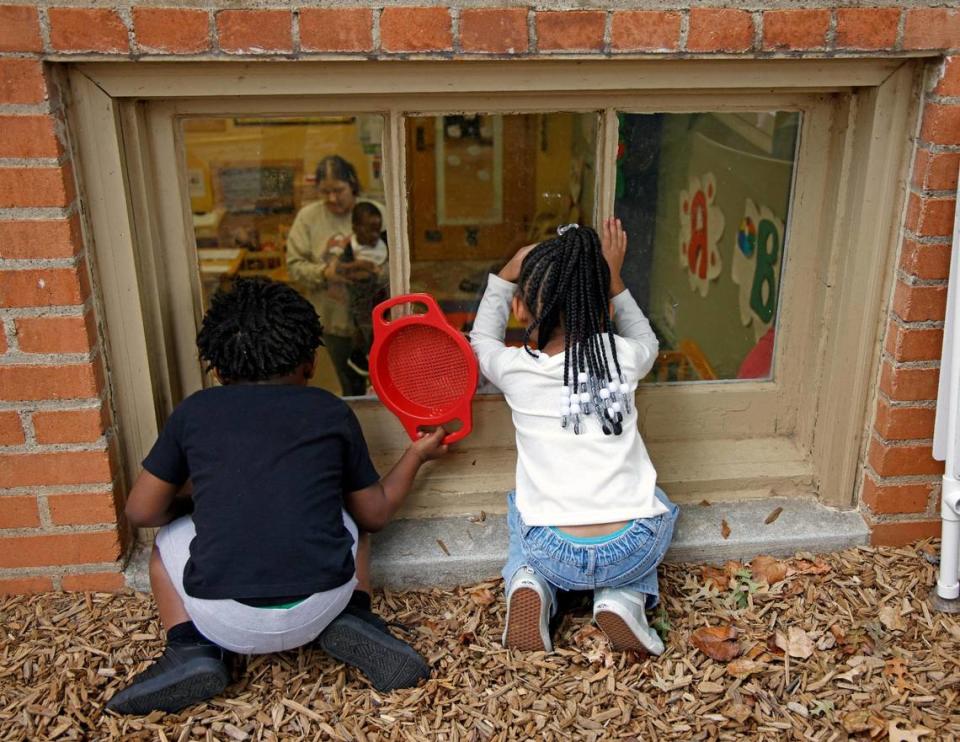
x: 203, y: 679
x: 523, y: 627
x: 619, y: 633
x: 386, y: 661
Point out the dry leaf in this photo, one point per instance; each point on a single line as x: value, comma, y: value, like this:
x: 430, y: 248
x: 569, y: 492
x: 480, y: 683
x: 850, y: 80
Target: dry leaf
x: 905, y: 735
x: 743, y: 667
x: 767, y: 569
x: 714, y: 576
x: 806, y: 567
x: 796, y: 643
x: 717, y: 642
x: 773, y: 516
x: 724, y: 528
x: 890, y: 617
x: 857, y: 721
x: 482, y: 595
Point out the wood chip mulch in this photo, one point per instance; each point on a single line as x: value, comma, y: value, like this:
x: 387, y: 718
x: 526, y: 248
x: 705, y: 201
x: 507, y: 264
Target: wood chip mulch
x: 821, y: 648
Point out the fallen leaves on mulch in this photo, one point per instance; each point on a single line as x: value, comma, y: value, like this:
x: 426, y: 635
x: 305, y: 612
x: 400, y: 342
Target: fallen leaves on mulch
x: 864, y: 658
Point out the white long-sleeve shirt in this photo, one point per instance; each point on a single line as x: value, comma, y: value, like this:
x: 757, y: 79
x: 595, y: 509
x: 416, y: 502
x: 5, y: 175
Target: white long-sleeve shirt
x: 565, y: 479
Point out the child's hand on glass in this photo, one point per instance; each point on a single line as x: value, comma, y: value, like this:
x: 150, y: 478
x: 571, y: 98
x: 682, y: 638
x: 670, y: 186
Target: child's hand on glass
x: 613, y: 241
x: 429, y: 444
x: 511, y: 271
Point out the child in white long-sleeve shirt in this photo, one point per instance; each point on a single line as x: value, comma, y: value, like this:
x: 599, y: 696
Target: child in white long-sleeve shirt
x: 586, y: 513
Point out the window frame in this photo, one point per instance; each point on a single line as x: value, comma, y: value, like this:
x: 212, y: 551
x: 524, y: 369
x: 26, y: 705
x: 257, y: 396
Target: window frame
x: 123, y: 119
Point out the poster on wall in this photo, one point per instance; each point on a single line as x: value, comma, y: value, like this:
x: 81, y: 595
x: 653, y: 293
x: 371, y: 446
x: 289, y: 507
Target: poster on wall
x: 756, y: 266
x: 701, y: 226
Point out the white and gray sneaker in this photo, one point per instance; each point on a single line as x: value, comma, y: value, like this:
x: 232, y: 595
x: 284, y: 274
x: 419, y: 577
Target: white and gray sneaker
x: 529, y: 604
x: 621, y: 615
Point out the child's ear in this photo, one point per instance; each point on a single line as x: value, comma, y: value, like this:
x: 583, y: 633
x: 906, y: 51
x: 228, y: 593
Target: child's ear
x: 308, y: 369
x: 519, y: 309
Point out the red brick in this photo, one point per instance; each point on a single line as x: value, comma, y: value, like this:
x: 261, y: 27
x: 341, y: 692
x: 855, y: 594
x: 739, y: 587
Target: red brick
x: 404, y: 29
x: 891, y: 499
x: 69, y: 426
x: 901, y: 533
x: 719, y: 30
x: 21, y: 81
x: 795, y: 29
x: 496, y: 30
x: 28, y: 136
x: 56, y: 334
x: 949, y: 84
x: 904, y: 423
x: 928, y: 262
x: 645, y: 30
x: 59, y: 549
x: 62, y: 467
x: 914, y: 344
x: 255, y: 31
x: 87, y: 30
x: 100, y: 582
x: 36, y: 186
x: 82, y: 508
x: 43, y: 287
x: 26, y: 585
x: 11, y: 429
x: 19, y: 512
x: 941, y: 124
x: 909, y: 384
x: 931, y: 28
x: 867, y: 28
x: 901, y: 461
x: 336, y: 29
x: 570, y: 30
x: 936, y: 171
x: 929, y: 216
x: 920, y: 303
x: 27, y: 240
x: 19, y: 29
x: 68, y: 381
x: 172, y: 30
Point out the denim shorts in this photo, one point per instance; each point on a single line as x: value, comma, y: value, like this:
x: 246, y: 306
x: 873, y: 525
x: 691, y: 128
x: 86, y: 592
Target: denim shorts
x: 629, y: 560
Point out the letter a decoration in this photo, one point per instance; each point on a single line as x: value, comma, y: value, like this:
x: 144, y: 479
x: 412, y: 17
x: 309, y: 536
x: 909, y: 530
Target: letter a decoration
x: 701, y: 226
x: 756, y: 266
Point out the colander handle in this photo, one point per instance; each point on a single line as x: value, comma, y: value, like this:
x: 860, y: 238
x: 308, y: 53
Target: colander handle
x: 383, y: 307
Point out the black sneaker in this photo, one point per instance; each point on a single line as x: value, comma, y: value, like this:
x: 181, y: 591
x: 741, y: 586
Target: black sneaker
x: 184, y: 674
x: 388, y: 662
x: 359, y: 363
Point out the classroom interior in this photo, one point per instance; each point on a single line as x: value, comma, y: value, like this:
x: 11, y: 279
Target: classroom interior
x: 704, y: 198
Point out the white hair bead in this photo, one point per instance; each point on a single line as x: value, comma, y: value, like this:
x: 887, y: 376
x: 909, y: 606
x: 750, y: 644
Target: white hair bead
x: 584, y: 397
x: 616, y: 406
x: 582, y: 377
x: 575, y: 409
x: 613, y: 386
x: 604, y: 394
x: 564, y: 410
x: 610, y: 412
x: 624, y: 388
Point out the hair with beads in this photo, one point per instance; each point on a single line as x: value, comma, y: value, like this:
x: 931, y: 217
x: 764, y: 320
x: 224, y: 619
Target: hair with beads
x: 257, y: 330
x: 565, y: 282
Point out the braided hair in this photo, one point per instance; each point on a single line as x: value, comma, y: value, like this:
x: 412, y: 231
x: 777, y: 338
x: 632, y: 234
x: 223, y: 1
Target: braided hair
x: 257, y: 330
x: 565, y: 281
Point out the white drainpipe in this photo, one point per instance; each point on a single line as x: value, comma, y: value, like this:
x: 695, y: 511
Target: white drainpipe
x: 946, y: 595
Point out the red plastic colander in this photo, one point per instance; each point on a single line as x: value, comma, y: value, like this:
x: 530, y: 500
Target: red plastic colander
x: 422, y: 368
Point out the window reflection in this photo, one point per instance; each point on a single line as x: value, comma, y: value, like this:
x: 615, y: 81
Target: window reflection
x: 704, y: 198
x: 481, y: 185
x: 299, y: 200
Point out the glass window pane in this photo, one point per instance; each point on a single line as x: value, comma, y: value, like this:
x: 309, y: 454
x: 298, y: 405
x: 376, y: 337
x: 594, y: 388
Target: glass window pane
x: 479, y: 186
x: 704, y: 198
x: 299, y: 200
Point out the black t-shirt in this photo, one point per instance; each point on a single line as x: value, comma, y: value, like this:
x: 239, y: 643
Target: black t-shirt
x: 270, y: 465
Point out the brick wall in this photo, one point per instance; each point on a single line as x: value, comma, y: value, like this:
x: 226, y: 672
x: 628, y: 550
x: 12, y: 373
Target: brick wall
x: 58, y: 489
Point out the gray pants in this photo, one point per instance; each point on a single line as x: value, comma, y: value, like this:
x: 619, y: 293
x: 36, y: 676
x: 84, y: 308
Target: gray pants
x: 243, y: 628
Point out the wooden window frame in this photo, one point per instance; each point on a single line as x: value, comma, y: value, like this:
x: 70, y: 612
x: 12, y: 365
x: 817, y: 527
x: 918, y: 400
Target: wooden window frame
x: 801, y: 433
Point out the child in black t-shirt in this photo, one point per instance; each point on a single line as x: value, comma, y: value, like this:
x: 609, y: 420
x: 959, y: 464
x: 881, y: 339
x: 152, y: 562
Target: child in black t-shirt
x: 282, y: 490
